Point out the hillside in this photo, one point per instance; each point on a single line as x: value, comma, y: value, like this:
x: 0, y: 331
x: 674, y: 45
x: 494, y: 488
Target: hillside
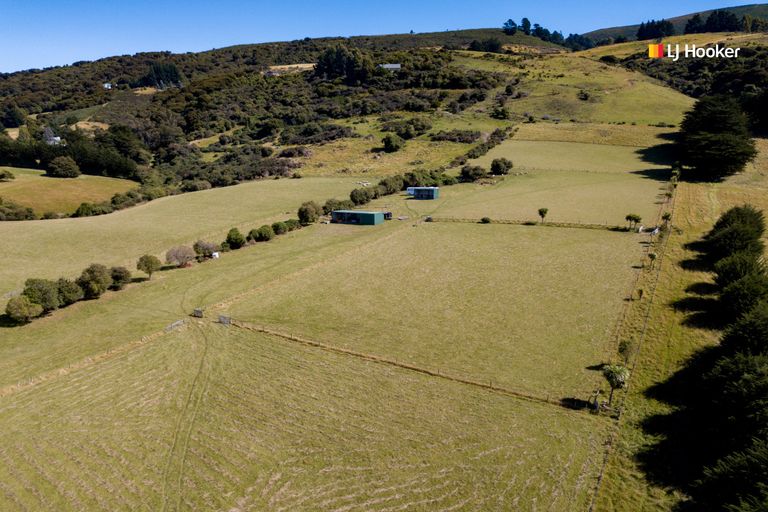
x: 80, y: 85
x: 630, y: 31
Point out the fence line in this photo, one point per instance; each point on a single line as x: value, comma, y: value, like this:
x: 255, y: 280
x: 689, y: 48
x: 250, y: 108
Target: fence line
x: 406, y: 366
x: 515, y: 222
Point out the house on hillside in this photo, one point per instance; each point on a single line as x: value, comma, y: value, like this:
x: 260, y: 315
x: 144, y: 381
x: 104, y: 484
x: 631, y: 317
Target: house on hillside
x: 51, y: 138
x: 391, y: 67
x: 107, y: 86
x: 359, y: 217
x: 426, y: 192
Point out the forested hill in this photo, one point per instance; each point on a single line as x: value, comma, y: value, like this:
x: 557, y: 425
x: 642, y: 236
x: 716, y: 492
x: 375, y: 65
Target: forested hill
x: 630, y: 31
x: 81, y: 84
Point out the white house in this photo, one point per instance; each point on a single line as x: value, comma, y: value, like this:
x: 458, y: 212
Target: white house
x: 107, y: 86
x: 390, y: 67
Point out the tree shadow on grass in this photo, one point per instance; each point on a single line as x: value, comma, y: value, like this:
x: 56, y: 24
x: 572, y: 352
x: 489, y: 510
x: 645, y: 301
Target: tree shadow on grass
x: 660, y: 154
x: 7, y: 322
x: 703, y: 288
x: 685, y: 442
x: 662, y: 175
x: 703, y: 311
x: 139, y: 279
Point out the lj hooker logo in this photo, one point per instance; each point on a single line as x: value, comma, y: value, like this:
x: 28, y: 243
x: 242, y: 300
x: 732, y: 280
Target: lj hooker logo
x: 674, y: 52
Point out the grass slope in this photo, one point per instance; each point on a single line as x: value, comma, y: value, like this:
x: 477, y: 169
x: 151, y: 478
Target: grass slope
x: 454, y: 297
x: 53, y: 248
x: 630, y: 31
x: 217, y: 419
x: 34, y: 190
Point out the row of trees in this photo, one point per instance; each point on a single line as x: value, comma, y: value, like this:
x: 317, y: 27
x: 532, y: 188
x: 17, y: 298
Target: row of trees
x: 654, y: 29
x: 511, y: 27
x: 715, y: 443
x: 717, y: 21
x: 43, y: 296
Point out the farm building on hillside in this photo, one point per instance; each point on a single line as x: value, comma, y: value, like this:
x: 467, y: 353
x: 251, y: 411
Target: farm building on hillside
x: 390, y: 67
x: 426, y: 192
x: 357, y: 217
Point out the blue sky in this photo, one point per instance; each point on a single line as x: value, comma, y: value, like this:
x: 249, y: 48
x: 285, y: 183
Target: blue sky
x: 39, y: 33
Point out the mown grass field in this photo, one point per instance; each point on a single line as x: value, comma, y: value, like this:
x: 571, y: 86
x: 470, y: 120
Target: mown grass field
x: 63, y: 247
x: 572, y: 156
x: 102, y: 408
x: 486, y: 302
x: 580, y: 197
x: 217, y: 419
x: 59, y: 195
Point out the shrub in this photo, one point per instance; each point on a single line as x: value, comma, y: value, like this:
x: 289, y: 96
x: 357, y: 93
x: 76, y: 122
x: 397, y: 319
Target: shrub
x: 204, y: 249
x: 42, y: 292
x: 21, y: 309
x: 6, y: 175
x: 485, y: 220
x: 293, y: 224
x: 235, y: 239
x: 180, y: 255
x: 149, y: 264
x: 69, y: 292
x: 470, y: 173
x: 94, y: 281
x: 336, y: 204
x: 464, y: 136
x: 12, y: 211
x: 360, y: 196
x: 280, y: 227
x: 309, y: 212
x: 391, y: 185
x: 263, y: 234
x: 121, y: 276
x: 393, y: 143
x: 501, y: 166
x: 63, y: 167
x: 408, y: 128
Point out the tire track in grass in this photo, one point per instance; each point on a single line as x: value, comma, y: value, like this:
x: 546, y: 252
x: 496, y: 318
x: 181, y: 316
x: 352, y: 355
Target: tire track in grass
x: 177, y: 443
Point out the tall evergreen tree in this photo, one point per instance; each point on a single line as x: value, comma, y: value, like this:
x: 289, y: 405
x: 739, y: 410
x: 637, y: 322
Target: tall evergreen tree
x: 714, y: 138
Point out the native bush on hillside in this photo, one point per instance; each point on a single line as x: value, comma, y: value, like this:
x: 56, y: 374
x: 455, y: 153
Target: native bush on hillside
x: 12, y: 211
x: 501, y: 166
x: 464, y: 136
x: 408, y: 128
x: 63, y: 167
x: 392, y: 143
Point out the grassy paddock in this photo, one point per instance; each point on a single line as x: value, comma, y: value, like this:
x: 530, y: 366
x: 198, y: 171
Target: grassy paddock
x: 579, y: 197
x: 223, y: 419
x: 594, y: 133
x: 53, y: 248
x: 59, y: 195
x: 527, y: 308
x: 570, y: 156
